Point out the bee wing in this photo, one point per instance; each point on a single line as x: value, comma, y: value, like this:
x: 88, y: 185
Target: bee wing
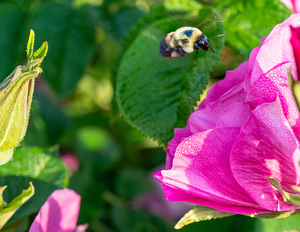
x: 150, y: 36
x: 212, y: 22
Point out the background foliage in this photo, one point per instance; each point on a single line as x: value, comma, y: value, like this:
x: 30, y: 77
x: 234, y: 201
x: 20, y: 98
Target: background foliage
x: 102, y: 67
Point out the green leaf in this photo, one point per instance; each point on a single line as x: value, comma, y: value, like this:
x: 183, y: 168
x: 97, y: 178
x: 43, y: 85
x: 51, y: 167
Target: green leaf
x: 70, y: 35
x: 118, y: 24
x: 247, y: 22
x: 288, y: 197
x: 156, y: 94
x: 41, y: 166
x: 30, y: 45
x: 201, y: 213
x: 2, y: 202
x: 7, y: 212
x: 280, y: 225
x: 20, y: 226
x: 41, y: 52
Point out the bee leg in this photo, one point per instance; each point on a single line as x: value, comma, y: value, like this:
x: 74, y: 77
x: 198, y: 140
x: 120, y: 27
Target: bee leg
x: 180, y: 51
x: 196, y: 47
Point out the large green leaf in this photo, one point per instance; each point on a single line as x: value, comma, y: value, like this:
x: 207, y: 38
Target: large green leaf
x: 70, y: 35
x: 41, y: 166
x: 247, y: 22
x: 156, y: 94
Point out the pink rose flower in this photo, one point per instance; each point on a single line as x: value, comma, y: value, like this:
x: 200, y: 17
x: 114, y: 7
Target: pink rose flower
x: 70, y: 161
x: 59, y: 213
x: 247, y: 129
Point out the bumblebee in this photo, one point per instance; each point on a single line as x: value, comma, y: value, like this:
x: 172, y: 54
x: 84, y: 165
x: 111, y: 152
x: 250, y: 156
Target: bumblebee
x: 184, y: 40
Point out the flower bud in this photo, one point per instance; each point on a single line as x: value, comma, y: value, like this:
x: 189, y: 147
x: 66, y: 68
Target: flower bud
x: 15, y: 100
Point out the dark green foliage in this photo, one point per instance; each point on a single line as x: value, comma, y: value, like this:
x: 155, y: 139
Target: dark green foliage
x: 10, y: 37
x: 70, y: 34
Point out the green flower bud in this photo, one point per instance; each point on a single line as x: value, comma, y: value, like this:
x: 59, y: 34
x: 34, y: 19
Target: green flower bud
x: 15, y: 100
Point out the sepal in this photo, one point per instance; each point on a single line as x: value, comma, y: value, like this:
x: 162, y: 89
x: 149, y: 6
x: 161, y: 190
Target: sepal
x: 7, y: 212
x: 288, y: 197
x: 201, y: 213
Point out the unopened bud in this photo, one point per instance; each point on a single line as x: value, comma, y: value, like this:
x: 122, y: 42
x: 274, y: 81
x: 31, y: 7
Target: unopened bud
x: 15, y: 100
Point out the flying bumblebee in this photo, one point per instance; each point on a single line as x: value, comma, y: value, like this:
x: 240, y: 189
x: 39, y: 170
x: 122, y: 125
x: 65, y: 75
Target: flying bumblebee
x: 184, y: 40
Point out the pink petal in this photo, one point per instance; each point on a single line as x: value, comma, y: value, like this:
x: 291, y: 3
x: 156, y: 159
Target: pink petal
x: 295, y: 41
x: 201, y: 173
x: 176, y: 195
x: 82, y: 228
x: 232, y: 78
x: 288, y: 4
x: 267, y: 146
x: 59, y: 213
x: 276, y: 46
x: 70, y: 161
x: 296, y: 5
x: 293, y: 5
x: 234, y: 116
x: 202, y: 120
x: 272, y: 84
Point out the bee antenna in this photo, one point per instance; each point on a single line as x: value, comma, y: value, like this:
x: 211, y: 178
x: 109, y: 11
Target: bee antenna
x: 215, y: 36
x: 212, y: 50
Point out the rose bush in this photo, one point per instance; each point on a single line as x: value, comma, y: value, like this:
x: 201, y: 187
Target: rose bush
x: 247, y: 129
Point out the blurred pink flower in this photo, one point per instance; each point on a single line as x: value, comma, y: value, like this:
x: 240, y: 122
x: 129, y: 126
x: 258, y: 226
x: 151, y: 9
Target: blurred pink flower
x: 247, y: 128
x: 293, y: 5
x: 70, y: 161
x: 59, y: 213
